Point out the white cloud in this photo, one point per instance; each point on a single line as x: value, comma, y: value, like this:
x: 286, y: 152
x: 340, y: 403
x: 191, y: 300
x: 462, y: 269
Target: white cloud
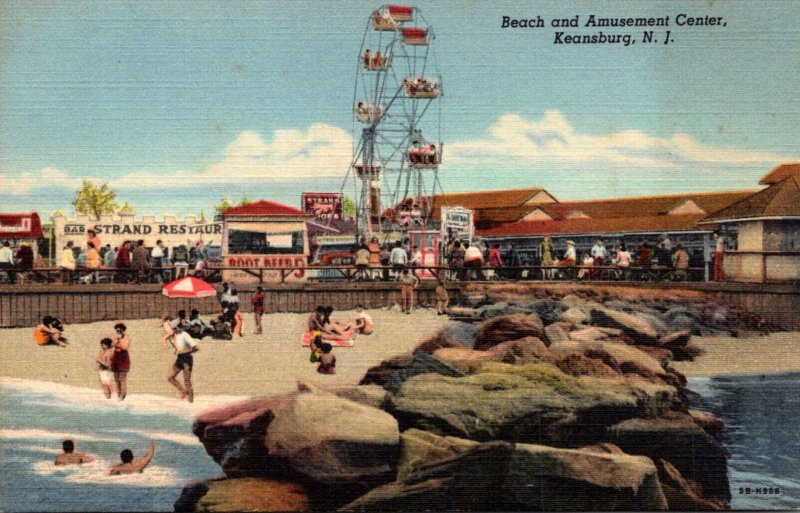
x: 25, y: 182
x: 322, y: 151
x: 553, y: 139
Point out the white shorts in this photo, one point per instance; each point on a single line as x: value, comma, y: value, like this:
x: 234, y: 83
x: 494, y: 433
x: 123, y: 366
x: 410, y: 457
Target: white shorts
x: 106, y: 376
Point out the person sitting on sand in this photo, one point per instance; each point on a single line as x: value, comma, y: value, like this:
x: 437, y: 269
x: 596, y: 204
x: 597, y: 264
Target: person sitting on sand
x: 103, y: 360
x: 72, y: 457
x: 197, y: 328
x: 315, y: 346
x: 327, y: 362
x: 131, y: 466
x: 315, y: 320
x: 362, y: 324
x: 184, y: 347
x: 49, y: 332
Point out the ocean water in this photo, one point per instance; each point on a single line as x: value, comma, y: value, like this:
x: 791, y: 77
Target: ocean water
x: 36, y: 417
x: 762, y: 415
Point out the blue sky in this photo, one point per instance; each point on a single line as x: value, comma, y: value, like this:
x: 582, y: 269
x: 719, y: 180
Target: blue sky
x: 178, y: 103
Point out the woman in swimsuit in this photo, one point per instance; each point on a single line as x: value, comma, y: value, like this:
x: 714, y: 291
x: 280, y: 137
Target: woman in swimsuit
x: 121, y: 362
x: 103, y: 360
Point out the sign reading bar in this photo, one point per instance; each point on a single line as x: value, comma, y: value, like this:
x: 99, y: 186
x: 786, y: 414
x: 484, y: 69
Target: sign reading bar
x: 323, y: 205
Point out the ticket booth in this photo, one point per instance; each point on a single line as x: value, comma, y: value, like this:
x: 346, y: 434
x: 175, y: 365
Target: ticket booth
x: 427, y: 242
x: 264, y: 241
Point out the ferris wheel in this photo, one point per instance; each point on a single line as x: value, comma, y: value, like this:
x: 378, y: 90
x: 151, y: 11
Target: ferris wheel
x: 396, y: 122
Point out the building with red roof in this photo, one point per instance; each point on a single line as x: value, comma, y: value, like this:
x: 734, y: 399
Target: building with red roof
x: 262, y: 237
x: 18, y: 228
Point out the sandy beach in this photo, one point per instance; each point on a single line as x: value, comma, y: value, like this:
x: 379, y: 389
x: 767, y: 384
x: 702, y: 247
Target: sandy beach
x: 253, y: 365
x: 271, y: 363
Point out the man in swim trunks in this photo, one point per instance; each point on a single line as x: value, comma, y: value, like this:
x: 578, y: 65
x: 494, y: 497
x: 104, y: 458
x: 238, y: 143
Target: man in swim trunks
x: 72, y: 457
x: 48, y: 333
x: 128, y: 465
x: 184, y: 347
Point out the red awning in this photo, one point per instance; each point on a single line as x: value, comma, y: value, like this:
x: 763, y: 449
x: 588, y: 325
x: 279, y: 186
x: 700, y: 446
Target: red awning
x: 20, y: 226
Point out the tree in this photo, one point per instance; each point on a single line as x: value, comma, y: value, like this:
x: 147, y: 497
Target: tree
x: 95, y: 199
x: 348, y: 207
x: 244, y: 201
x: 223, y: 205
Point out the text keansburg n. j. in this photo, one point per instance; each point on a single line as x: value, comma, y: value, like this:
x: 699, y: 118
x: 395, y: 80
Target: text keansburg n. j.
x: 565, y: 36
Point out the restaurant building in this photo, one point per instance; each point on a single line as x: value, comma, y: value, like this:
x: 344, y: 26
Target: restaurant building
x: 264, y: 235
x: 113, y: 230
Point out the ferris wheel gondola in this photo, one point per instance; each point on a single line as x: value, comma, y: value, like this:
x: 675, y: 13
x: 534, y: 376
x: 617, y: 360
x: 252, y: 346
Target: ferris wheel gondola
x: 397, y: 118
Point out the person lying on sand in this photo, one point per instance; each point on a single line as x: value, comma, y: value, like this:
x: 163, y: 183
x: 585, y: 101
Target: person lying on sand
x: 72, y: 457
x: 129, y: 465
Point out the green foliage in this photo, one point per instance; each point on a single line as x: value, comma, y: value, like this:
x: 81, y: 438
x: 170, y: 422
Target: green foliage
x: 95, y: 199
x: 348, y: 207
x: 223, y: 205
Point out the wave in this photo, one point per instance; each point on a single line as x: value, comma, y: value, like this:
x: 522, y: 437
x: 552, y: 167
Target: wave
x: 44, y: 434
x: 168, y: 436
x: 96, y: 472
x: 57, y: 395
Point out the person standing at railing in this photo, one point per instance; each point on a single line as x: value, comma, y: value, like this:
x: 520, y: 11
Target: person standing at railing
x: 257, y: 301
x: 408, y: 282
x: 141, y: 260
x: 681, y: 262
x: 398, y: 258
x: 7, y: 261
x: 92, y: 260
x: 157, y: 256
x: 546, y: 253
x: 719, y: 255
x: 67, y: 262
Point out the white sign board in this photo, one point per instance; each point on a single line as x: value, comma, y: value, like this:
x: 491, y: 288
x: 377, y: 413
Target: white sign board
x: 457, y: 223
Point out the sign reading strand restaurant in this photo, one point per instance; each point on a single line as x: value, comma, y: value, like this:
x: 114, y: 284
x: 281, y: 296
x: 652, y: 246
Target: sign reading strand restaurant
x: 322, y: 205
x: 115, y: 230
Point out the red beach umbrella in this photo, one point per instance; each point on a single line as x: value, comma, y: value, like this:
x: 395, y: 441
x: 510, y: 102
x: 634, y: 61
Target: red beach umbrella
x: 188, y: 287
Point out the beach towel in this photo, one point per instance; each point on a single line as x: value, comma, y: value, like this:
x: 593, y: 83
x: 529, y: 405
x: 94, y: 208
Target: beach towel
x: 305, y: 340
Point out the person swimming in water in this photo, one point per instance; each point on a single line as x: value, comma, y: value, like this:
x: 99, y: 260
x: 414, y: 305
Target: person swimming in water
x: 72, y: 457
x: 131, y: 466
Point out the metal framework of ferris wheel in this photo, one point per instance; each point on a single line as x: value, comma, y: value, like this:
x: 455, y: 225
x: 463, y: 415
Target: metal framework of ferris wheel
x: 397, y: 123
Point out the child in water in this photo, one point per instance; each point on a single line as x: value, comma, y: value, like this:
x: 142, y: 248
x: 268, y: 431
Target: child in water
x: 315, y: 346
x: 104, y: 365
x: 327, y: 362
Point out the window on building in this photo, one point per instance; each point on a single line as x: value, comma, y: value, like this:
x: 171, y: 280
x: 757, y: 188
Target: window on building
x: 261, y: 243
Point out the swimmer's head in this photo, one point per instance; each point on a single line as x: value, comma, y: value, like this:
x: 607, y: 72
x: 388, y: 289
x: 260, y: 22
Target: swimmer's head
x: 126, y: 456
x: 107, y: 343
x: 68, y: 446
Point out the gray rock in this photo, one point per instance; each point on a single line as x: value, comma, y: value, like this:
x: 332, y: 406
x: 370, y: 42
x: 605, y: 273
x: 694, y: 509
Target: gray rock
x: 331, y: 440
x: 655, y: 322
x: 547, y: 309
x: 421, y: 363
x: 634, y: 327
x: 676, y: 438
x: 498, y: 309
x: 526, y: 403
x: 508, y: 327
x: 555, y: 333
x: 574, y: 315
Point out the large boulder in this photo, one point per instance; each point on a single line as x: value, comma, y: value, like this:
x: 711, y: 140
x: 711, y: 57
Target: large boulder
x: 587, y: 334
x: 574, y: 315
x: 243, y: 494
x: 638, y: 329
x: 451, y: 474
x: 498, y: 309
x: 468, y: 481
x: 676, y: 438
x: 683, y: 495
x: 319, y: 438
x: 555, y: 479
x: 581, y: 365
x: 390, y: 374
x: 332, y: 440
x: 457, y: 334
x: 622, y: 353
x: 508, y: 327
x: 526, y: 403
x: 522, y: 351
x: 370, y: 395
x: 555, y: 333
x: 547, y: 309
x: 234, y: 435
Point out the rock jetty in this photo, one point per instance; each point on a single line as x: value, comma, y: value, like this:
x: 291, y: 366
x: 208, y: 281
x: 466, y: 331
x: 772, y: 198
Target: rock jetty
x: 552, y: 403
